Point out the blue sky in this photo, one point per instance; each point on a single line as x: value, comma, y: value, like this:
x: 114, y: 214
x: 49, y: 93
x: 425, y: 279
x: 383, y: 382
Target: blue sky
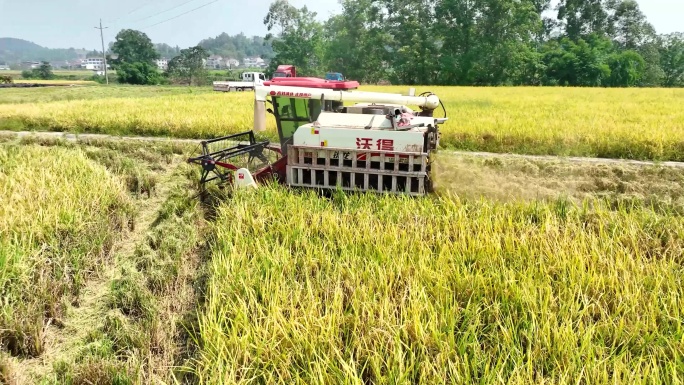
x: 70, y: 23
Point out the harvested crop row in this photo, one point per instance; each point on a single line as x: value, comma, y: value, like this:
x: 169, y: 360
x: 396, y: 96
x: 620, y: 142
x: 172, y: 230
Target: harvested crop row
x: 623, y: 123
x: 389, y: 290
x: 58, y: 217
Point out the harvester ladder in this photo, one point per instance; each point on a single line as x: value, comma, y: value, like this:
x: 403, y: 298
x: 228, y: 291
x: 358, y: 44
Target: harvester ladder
x: 348, y: 169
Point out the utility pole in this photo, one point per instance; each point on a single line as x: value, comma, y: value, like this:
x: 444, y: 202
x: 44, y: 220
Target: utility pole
x: 104, y: 53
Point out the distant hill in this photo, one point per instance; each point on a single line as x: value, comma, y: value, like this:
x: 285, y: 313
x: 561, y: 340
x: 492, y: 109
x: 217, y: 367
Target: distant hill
x: 14, y: 50
x: 238, y: 47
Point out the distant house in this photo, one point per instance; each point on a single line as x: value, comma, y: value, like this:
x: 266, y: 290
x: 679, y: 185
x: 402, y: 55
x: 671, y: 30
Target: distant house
x: 29, y: 65
x: 74, y: 64
x: 163, y: 64
x: 4, y: 67
x: 232, y: 63
x: 215, y: 62
x: 254, y: 62
x: 94, y: 64
x: 60, y: 65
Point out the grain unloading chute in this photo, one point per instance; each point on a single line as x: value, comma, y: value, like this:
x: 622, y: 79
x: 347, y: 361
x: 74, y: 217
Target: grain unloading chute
x: 375, y: 144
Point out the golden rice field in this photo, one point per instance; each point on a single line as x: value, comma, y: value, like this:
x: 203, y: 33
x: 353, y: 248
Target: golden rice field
x: 497, y: 279
x: 58, y: 216
x: 624, y: 123
x: 383, y: 290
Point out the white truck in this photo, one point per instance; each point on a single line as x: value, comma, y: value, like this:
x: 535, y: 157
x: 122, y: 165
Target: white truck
x: 249, y: 81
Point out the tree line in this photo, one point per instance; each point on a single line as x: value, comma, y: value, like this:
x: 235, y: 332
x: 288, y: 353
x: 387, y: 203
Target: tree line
x: 134, y: 56
x: 606, y: 43
x: 237, y: 47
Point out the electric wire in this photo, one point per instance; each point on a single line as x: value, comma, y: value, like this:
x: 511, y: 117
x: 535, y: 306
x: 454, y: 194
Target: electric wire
x: 145, y: 3
x: 182, y: 14
x: 159, y: 13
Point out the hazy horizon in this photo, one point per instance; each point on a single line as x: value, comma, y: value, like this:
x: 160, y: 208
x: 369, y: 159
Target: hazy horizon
x: 76, y: 24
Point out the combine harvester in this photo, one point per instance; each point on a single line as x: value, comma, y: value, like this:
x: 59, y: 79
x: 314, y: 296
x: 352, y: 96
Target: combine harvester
x: 377, y: 144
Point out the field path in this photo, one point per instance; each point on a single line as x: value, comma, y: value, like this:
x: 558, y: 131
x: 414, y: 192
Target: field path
x: 76, y: 137
x: 65, y: 342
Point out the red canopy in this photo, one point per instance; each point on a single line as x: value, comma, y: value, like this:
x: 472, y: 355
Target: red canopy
x: 313, y: 83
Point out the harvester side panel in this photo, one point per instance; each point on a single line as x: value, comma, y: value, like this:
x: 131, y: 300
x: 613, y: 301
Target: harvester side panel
x: 393, y: 172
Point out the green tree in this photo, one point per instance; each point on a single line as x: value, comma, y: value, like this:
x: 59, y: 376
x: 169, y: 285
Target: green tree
x: 653, y: 74
x: 490, y: 42
x: 139, y: 73
x: 188, y: 67
x: 93, y: 53
x: 238, y: 46
x: 355, y: 42
x: 412, y: 48
x: 299, y: 40
x: 580, y: 18
x: 165, y: 50
x: 632, y: 30
x: 480, y: 42
x: 577, y: 63
x: 44, y: 71
x: 457, y: 19
x: 136, y: 55
x: 672, y: 59
x: 133, y: 46
x: 626, y: 69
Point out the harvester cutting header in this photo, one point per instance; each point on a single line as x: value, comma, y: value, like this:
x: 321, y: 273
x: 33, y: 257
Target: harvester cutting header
x: 377, y: 144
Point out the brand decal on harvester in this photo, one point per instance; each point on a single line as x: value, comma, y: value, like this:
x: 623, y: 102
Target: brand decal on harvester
x: 295, y: 94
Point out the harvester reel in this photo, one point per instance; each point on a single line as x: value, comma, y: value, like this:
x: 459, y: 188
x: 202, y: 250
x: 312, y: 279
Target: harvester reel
x: 221, y: 157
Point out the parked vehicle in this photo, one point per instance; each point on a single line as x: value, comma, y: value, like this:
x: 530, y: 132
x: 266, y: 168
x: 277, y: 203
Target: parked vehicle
x: 248, y: 82
x: 285, y: 71
x: 336, y: 76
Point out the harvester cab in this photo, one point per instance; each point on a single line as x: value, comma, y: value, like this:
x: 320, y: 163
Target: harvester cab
x: 376, y: 144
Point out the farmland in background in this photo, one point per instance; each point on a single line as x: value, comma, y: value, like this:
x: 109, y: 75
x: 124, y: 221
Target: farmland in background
x: 40, y: 96
x: 618, y: 123
x: 527, y: 270
x: 56, y: 82
x: 89, y: 77
x: 59, y: 74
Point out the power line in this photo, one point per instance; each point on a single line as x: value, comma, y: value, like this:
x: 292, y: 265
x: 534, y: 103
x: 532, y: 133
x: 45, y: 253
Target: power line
x: 170, y: 9
x: 131, y: 12
x: 184, y: 13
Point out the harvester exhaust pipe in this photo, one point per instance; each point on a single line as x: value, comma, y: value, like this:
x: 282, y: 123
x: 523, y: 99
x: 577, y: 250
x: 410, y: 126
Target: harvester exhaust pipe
x: 259, y: 115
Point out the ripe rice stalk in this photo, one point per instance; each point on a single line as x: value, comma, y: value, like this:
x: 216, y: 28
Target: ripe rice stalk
x: 59, y: 215
x: 616, y: 123
x: 371, y: 289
